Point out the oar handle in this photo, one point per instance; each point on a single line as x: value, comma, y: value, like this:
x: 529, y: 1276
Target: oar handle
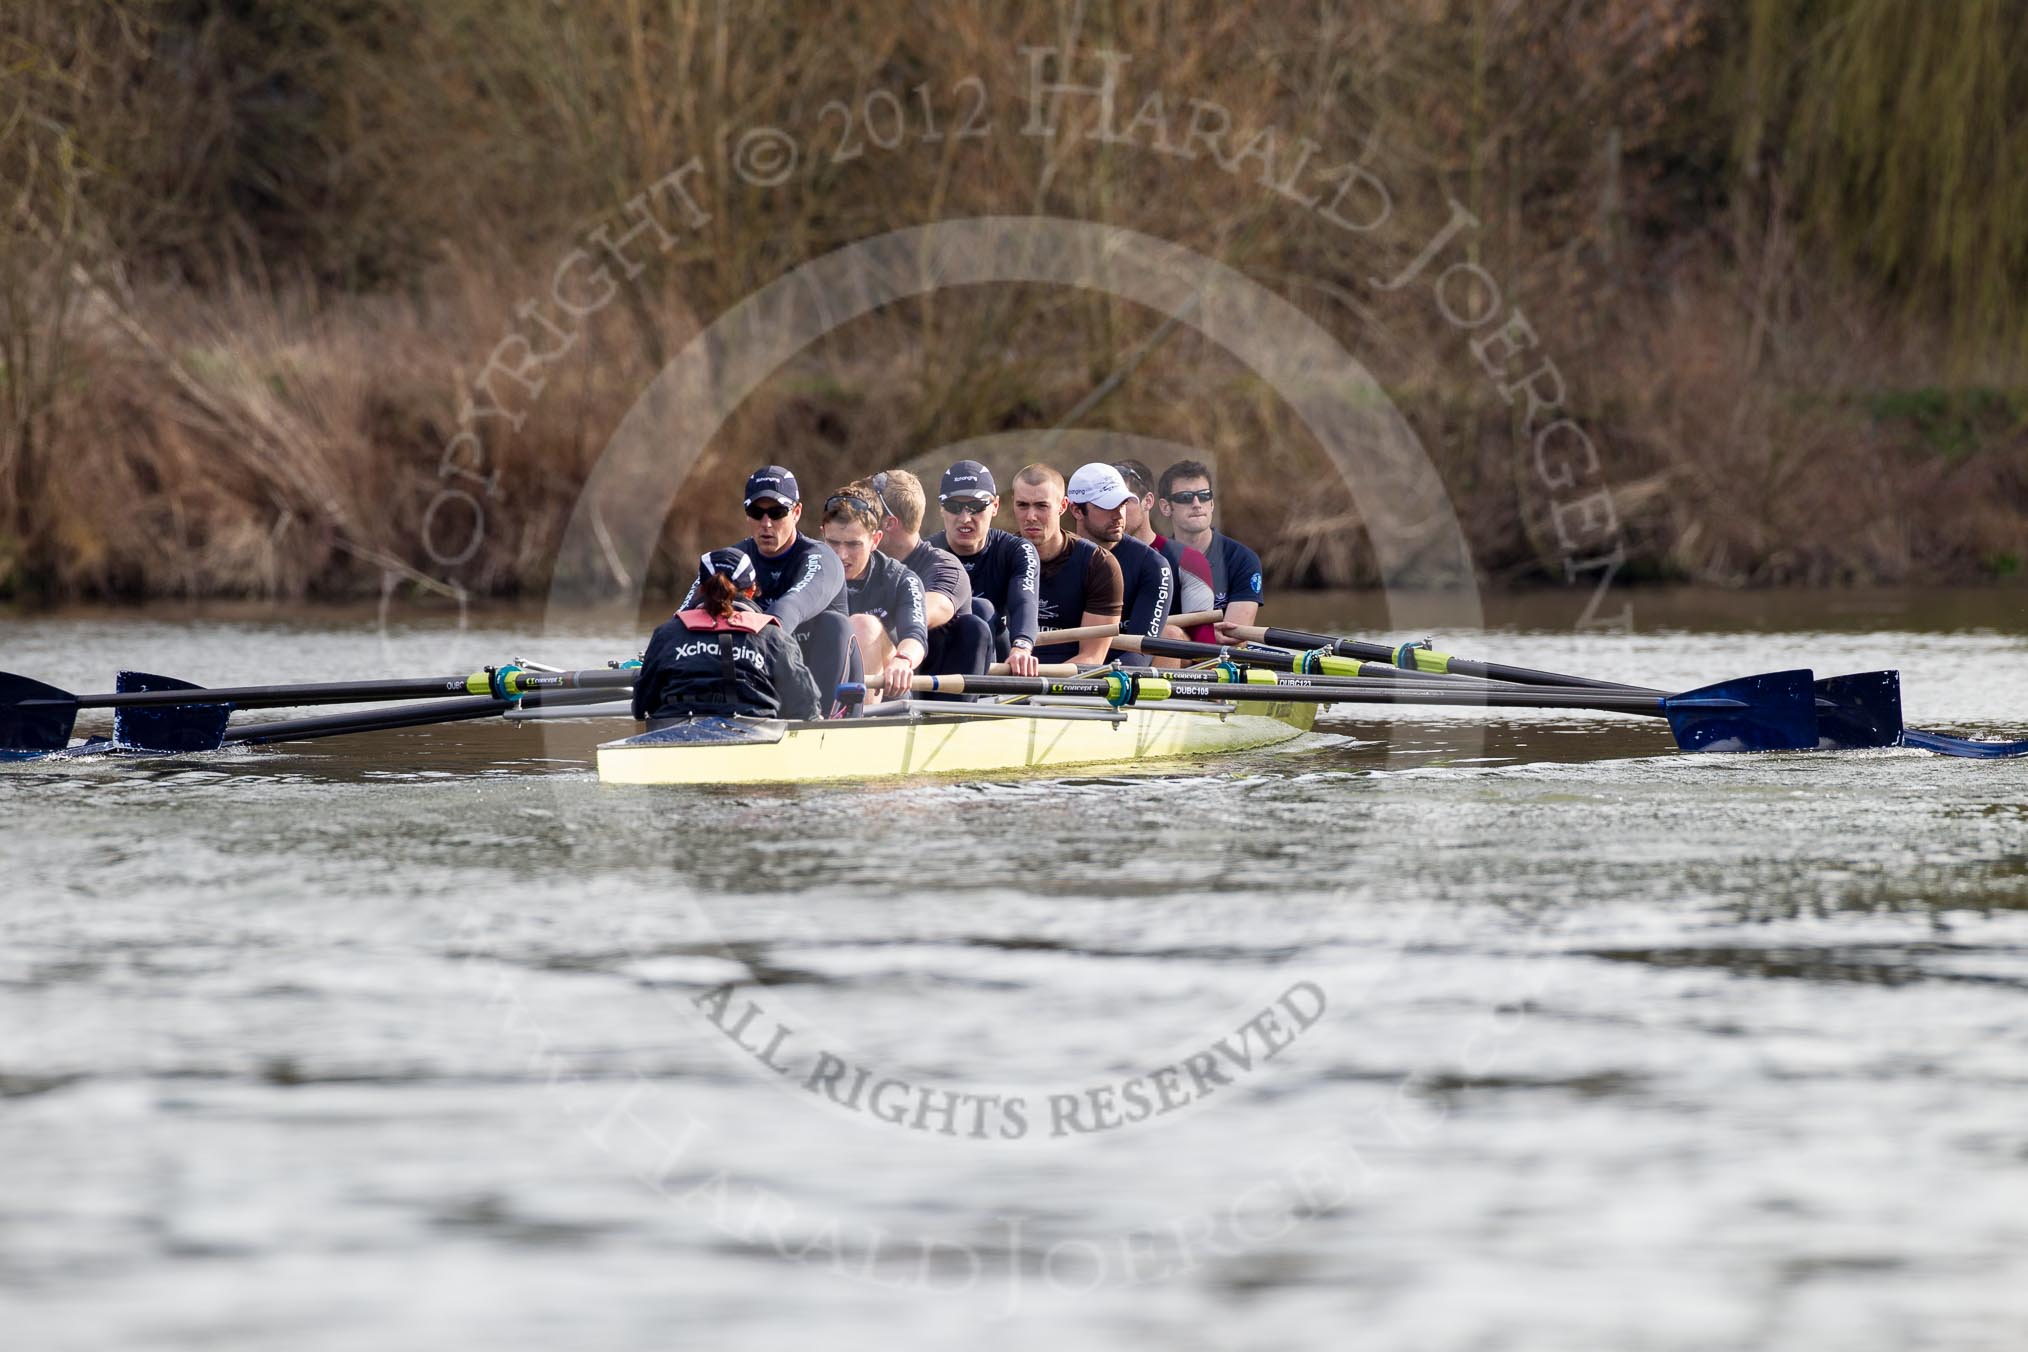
x: 1045, y: 669
x: 1190, y: 619
x: 1077, y: 635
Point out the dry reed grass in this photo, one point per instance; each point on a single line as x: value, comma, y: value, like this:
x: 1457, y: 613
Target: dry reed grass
x: 253, y: 269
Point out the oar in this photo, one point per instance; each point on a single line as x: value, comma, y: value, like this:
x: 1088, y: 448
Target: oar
x: 164, y: 714
x: 1419, y: 658
x: 1049, y: 636
x: 1771, y: 712
x: 1190, y: 619
x: 1309, y: 663
x: 36, y: 719
x: 464, y: 709
x: 1854, y: 711
x: 32, y: 700
x: 368, y: 720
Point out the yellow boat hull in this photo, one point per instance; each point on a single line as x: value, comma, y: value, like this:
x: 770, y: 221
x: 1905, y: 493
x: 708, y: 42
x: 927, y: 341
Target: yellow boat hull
x: 959, y: 742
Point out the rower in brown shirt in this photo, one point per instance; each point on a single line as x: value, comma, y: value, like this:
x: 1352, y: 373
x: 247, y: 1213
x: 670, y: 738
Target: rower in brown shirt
x: 1081, y: 584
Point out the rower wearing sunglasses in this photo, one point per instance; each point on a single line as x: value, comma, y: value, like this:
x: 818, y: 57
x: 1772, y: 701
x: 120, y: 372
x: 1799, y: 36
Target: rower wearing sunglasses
x: 1185, y: 502
x: 798, y: 581
x: 1005, y: 573
x: 960, y: 640
x: 885, y: 598
x: 1189, y: 567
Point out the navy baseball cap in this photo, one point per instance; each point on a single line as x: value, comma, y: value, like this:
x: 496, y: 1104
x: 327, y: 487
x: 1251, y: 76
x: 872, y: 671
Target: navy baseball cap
x: 966, y: 479
x: 733, y: 563
x: 772, y: 481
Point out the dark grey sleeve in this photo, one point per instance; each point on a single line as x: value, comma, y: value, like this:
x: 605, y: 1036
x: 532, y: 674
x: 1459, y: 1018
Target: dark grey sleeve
x: 794, y: 684
x: 951, y: 579
x: 1024, y: 596
x: 817, y: 585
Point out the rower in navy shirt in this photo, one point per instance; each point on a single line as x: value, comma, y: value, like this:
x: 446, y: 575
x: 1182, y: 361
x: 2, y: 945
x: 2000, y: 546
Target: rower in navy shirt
x: 1004, y: 572
x: 885, y: 598
x: 801, y: 583
x: 1188, y: 567
x: 1081, y: 584
x: 1098, y: 495
x: 960, y: 641
x: 1185, y: 499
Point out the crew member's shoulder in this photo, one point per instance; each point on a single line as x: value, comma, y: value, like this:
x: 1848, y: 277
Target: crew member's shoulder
x: 889, y: 569
x: 1140, y: 555
x: 928, y: 559
x: 1242, y: 569
x: 1238, y: 555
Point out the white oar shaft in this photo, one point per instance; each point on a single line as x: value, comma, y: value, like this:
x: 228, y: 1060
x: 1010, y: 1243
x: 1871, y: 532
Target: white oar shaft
x: 1046, y: 669
x: 1077, y: 635
x: 1186, y: 620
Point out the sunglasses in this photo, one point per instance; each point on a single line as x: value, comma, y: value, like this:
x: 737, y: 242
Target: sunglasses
x: 966, y: 507
x: 879, y: 484
x: 840, y: 499
x: 1191, y: 495
x: 773, y: 512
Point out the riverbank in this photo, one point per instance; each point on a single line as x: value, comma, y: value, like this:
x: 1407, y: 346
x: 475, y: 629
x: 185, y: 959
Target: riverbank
x: 304, y: 448
x: 386, y: 332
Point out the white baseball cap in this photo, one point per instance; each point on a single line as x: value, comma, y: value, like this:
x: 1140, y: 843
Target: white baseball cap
x: 1098, y: 484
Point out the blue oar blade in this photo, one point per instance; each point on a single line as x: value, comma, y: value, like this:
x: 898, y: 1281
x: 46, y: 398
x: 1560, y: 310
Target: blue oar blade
x: 1859, y: 710
x: 34, y: 718
x: 1962, y: 746
x: 1775, y: 712
x: 167, y: 727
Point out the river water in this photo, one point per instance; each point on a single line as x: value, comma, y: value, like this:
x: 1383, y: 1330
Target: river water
x: 1437, y: 1033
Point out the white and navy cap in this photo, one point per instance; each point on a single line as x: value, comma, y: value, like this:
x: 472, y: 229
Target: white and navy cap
x: 966, y: 479
x: 731, y: 563
x: 772, y: 481
x: 1100, y: 485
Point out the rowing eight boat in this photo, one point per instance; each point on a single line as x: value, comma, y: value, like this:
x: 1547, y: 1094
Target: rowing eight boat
x: 917, y: 737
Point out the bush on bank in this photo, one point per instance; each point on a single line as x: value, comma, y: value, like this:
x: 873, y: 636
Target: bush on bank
x: 254, y: 260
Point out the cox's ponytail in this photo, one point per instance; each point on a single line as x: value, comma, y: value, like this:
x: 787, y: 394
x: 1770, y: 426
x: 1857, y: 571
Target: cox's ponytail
x: 718, y: 593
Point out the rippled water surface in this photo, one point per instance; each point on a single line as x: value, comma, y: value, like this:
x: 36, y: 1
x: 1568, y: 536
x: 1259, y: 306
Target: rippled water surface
x: 1443, y: 1032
